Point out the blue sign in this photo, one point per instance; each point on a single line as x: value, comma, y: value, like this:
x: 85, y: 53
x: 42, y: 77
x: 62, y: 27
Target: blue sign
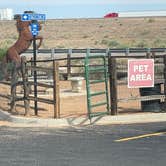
x: 25, y: 17
x: 34, y: 29
x: 38, y: 17
x: 33, y: 16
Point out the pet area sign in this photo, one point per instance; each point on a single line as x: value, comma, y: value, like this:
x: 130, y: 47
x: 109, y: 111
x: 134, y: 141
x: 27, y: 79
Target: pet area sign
x: 140, y: 73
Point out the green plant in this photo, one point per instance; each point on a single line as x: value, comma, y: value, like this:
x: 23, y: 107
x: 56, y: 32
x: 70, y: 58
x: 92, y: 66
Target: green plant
x: 104, y: 41
x: 141, y: 44
x: 151, y: 20
x: 3, y: 52
x: 159, y: 43
x: 113, y: 44
x: 145, y: 32
x: 106, y: 36
x: 60, y: 46
x: 96, y: 42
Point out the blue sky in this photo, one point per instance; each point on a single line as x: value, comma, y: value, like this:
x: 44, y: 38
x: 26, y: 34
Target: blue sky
x: 81, y: 8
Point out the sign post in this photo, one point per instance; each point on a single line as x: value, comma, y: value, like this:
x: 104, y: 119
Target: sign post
x: 140, y: 73
x: 34, y: 30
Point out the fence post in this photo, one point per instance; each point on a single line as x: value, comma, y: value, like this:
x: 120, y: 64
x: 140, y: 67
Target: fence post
x: 69, y: 63
x: 25, y: 85
x: 113, y: 84
x: 148, y: 53
x: 56, y: 89
x: 14, y: 80
x: 164, y: 80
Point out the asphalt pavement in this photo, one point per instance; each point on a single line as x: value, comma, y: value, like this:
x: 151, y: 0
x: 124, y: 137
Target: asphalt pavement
x: 84, y: 146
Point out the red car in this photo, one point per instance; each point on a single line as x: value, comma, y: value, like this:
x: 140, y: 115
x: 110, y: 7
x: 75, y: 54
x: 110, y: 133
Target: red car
x: 111, y: 15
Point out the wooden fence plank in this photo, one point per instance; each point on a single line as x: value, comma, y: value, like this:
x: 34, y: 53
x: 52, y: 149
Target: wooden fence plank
x: 25, y: 86
x: 164, y: 60
x: 113, y: 84
x: 14, y: 79
x: 56, y: 90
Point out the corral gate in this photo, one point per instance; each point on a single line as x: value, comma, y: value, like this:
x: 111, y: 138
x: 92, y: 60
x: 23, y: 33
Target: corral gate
x: 96, y: 75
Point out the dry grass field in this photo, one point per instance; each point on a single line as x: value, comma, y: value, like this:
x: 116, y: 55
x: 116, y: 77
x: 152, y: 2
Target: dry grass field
x: 95, y: 33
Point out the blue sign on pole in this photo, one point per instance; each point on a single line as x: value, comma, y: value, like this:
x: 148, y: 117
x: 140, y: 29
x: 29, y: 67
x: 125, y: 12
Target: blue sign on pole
x: 34, y: 29
x: 25, y: 17
x: 38, y: 17
x: 34, y: 16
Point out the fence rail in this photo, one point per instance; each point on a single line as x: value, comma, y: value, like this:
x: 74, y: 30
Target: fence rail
x: 112, y: 55
x: 122, y: 50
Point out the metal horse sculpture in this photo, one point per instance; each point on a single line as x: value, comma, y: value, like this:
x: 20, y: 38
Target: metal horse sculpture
x: 23, y: 42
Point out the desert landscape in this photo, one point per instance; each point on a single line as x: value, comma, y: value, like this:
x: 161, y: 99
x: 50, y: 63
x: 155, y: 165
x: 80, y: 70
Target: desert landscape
x: 95, y: 33
x: 89, y: 33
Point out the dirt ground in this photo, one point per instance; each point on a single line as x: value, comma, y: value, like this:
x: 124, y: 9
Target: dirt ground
x: 72, y: 104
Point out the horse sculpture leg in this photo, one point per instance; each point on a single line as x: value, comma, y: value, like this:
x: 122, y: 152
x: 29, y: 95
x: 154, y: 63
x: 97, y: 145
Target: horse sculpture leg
x: 13, y: 56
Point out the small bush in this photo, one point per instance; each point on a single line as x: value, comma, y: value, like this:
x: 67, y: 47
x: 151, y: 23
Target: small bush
x: 159, y: 43
x: 85, y: 36
x: 145, y: 32
x: 105, y: 42
x: 96, y: 42
x: 2, y: 53
x: 106, y: 36
x: 141, y: 44
x: 151, y: 20
x: 113, y: 44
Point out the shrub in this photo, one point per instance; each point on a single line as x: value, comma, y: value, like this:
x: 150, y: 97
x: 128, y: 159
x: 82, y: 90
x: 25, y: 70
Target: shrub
x: 85, y: 36
x: 145, y: 32
x: 159, y: 43
x: 113, y: 44
x: 151, y: 20
x: 141, y: 44
x: 105, y: 42
x: 2, y: 53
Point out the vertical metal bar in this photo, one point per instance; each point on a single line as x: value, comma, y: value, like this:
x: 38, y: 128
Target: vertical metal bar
x: 31, y: 67
x: 35, y: 76
x: 87, y: 82
x: 106, y: 80
x: 127, y: 51
x: 69, y: 63
x: 56, y: 89
x: 165, y: 81
x: 148, y: 54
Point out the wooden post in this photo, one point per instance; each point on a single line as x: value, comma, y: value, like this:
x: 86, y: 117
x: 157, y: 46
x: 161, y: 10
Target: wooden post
x: 113, y: 84
x: 148, y: 53
x: 25, y: 85
x: 14, y: 80
x: 69, y: 63
x: 56, y: 89
x: 164, y: 80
